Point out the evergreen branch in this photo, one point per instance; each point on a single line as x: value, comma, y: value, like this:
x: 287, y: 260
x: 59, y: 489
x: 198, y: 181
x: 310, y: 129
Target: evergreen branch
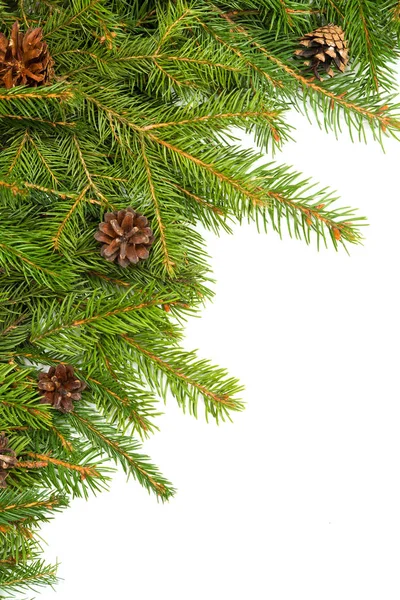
x: 79, y: 198
x: 12, y: 187
x: 123, y: 450
x: 110, y: 279
x: 42, y: 158
x: 169, y: 264
x: 63, y: 24
x: 43, y: 460
x: 170, y: 28
x: 140, y: 22
x: 217, y: 403
x: 174, y: 80
x: 7, y: 561
x: 111, y: 112
x: 102, y: 316
x: 196, y: 61
x: 378, y: 115
x: 205, y: 118
x: 66, y: 444
x: 125, y: 406
x: 209, y: 394
x: 275, y: 83
x: 12, y: 96
x: 18, y: 400
x: 368, y: 44
x: 144, y: 114
x: 335, y: 8
x: 151, y: 57
x: 313, y: 216
x: 28, y: 505
x: 91, y: 183
x: 26, y: 261
x: 39, y: 120
x: 36, y: 417
x: 25, y: 137
x: 60, y: 193
x: 201, y: 201
x: 234, y: 183
x: 13, y: 325
x: 30, y: 576
x: 118, y: 404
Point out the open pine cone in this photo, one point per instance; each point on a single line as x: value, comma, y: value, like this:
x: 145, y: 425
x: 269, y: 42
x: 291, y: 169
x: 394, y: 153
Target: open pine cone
x: 60, y: 388
x: 126, y: 237
x: 24, y: 58
x: 323, y: 47
x: 8, y: 459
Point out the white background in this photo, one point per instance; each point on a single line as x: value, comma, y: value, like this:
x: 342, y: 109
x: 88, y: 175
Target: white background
x: 299, y: 498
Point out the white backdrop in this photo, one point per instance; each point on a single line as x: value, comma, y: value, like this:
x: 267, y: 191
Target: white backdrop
x: 299, y: 498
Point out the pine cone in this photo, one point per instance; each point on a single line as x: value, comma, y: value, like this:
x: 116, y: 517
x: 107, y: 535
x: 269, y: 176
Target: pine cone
x: 24, y: 59
x: 323, y: 47
x: 60, y: 388
x: 8, y: 459
x: 126, y: 237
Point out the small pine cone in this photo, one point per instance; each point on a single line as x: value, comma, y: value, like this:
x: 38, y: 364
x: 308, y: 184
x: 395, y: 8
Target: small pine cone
x: 8, y: 459
x: 323, y: 47
x: 126, y: 237
x: 24, y: 58
x: 60, y: 388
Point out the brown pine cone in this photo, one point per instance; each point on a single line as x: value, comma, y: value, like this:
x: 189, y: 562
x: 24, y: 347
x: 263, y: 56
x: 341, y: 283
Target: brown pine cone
x: 24, y: 58
x: 60, y: 388
x: 323, y: 48
x: 8, y: 459
x: 126, y: 237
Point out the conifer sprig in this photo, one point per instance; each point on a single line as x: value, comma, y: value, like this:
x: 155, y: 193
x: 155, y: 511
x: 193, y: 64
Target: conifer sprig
x: 144, y: 110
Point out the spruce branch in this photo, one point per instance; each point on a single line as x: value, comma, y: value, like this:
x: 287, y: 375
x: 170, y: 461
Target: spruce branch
x: 122, y: 450
x: 168, y: 262
x: 129, y: 405
x: 74, y: 477
x: 377, y: 117
x: 29, y: 576
x: 171, y: 368
x: 143, y: 112
x: 28, y: 506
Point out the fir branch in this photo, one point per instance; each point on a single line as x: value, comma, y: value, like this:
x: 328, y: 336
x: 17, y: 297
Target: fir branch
x: 21, y: 261
x: 271, y: 80
x: 123, y: 450
x: 27, y: 576
x: 68, y: 216
x: 234, y: 183
x: 89, y: 177
x: 377, y: 115
x: 169, y: 264
x: 28, y: 506
x: 100, y: 314
x: 368, y: 44
x: 39, y: 94
x: 43, y: 460
x: 18, y: 400
x: 179, y: 366
x: 53, y: 176
x: 144, y: 112
x: 39, y: 120
x: 20, y: 147
x: 87, y: 5
x: 122, y: 405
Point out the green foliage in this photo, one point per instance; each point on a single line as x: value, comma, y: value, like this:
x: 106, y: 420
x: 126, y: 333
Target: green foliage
x: 143, y: 112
